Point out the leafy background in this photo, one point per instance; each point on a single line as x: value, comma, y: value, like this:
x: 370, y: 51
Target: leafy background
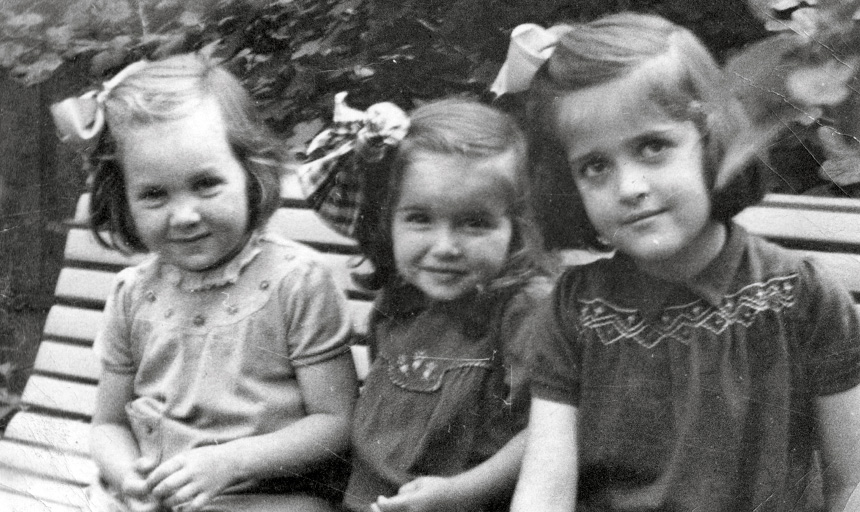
x: 295, y: 54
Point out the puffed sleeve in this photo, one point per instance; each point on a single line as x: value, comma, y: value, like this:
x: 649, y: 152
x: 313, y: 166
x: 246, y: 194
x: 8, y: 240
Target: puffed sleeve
x: 832, y: 337
x: 555, y: 356
x: 112, y: 344
x: 317, y: 316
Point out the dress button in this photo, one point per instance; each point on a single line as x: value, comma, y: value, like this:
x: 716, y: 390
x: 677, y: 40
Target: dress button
x: 264, y: 285
x: 199, y: 320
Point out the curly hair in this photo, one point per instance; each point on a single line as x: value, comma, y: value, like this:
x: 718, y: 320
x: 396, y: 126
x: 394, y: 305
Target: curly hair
x: 169, y: 89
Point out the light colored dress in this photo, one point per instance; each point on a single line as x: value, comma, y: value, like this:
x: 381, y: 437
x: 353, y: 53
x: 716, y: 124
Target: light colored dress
x: 214, y: 354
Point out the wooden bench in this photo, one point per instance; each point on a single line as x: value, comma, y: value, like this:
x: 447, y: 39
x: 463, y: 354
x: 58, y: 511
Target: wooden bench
x: 44, y: 464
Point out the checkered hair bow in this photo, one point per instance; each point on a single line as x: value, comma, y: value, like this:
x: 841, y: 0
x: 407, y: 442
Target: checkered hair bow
x: 331, y: 179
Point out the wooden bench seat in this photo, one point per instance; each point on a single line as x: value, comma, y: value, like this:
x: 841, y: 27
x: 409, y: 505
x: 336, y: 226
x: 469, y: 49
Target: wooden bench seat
x: 44, y: 463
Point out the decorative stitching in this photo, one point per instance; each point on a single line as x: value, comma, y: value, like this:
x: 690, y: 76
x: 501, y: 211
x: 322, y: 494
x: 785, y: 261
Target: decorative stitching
x: 612, y: 323
x: 422, y: 373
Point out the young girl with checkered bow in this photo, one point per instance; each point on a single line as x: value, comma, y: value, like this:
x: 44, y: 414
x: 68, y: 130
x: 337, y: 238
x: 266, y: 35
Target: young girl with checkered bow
x: 444, y: 218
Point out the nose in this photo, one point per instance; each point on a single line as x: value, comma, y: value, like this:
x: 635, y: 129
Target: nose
x: 446, y: 244
x: 184, y: 212
x: 632, y: 182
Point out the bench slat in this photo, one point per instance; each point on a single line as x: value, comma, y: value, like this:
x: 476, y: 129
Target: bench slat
x: 49, y: 463
x: 60, y: 396
x: 64, y: 435
x: 67, y: 322
x: 810, y: 227
x: 68, y: 360
x: 33, y: 502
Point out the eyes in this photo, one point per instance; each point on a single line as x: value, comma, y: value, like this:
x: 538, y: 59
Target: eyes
x: 203, y: 185
x: 475, y: 222
x: 650, y: 151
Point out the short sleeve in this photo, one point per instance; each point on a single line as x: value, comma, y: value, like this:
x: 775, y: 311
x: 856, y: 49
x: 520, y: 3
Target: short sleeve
x: 318, y: 320
x: 832, y: 336
x: 112, y: 344
x: 517, y: 333
x: 555, y: 356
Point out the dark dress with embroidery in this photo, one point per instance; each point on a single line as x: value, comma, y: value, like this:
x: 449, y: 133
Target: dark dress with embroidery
x: 443, y: 394
x: 698, y: 396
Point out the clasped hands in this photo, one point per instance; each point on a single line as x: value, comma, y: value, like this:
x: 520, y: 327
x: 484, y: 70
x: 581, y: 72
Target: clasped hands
x: 186, y: 482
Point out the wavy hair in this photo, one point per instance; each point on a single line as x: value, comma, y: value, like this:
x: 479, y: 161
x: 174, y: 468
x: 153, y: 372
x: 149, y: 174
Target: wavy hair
x: 677, y: 75
x: 451, y: 127
x: 166, y: 90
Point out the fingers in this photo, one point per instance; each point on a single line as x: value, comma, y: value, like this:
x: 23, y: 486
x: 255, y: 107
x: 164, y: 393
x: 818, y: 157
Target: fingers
x: 190, y: 502
x: 411, y: 486
x: 171, y: 484
x: 144, y: 465
x: 136, y: 505
x: 393, y: 504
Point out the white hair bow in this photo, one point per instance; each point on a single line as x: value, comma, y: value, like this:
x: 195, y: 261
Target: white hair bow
x: 531, y: 46
x: 82, y: 118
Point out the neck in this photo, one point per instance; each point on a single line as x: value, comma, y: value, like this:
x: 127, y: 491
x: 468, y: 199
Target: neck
x: 692, y: 259
x: 230, y: 255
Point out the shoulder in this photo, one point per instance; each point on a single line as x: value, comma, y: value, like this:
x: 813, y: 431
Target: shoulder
x: 597, y: 275
x: 530, y: 293
x: 295, y: 266
x: 131, y: 280
x: 287, y: 257
x: 767, y: 260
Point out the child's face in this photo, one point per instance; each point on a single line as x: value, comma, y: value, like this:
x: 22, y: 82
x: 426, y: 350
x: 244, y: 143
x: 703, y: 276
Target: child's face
x: 185, y: 189
x: 451, y: 227
x: 641, y: 177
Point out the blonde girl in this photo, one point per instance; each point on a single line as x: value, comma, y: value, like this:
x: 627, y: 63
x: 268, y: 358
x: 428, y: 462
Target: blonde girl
x: 227, y: 382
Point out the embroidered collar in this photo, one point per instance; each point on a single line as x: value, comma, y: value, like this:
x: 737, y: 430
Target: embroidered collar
x: 714, y: 281
x: 226, y: 274
x: 651, y: 294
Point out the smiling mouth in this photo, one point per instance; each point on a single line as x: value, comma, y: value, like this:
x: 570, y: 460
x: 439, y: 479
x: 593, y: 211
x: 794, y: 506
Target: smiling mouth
x: 444, y: 271
x: 633, y: 219
x: 188, y: 240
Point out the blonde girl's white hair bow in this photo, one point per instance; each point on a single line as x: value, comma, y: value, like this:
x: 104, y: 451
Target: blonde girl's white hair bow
x: 331, y: 179
x: 531, y: 45
x: 82, y: 118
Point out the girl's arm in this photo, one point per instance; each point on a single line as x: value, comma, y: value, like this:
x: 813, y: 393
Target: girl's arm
x: 482, y: 484
x: 112, y: 443
x: 549, y: 475
x: 329, y: 389
x: 839, y: 424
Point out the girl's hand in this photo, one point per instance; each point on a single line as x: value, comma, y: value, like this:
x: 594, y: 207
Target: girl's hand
x: 424, y: 494
x: 135, y: 492
x: 193, y: 478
